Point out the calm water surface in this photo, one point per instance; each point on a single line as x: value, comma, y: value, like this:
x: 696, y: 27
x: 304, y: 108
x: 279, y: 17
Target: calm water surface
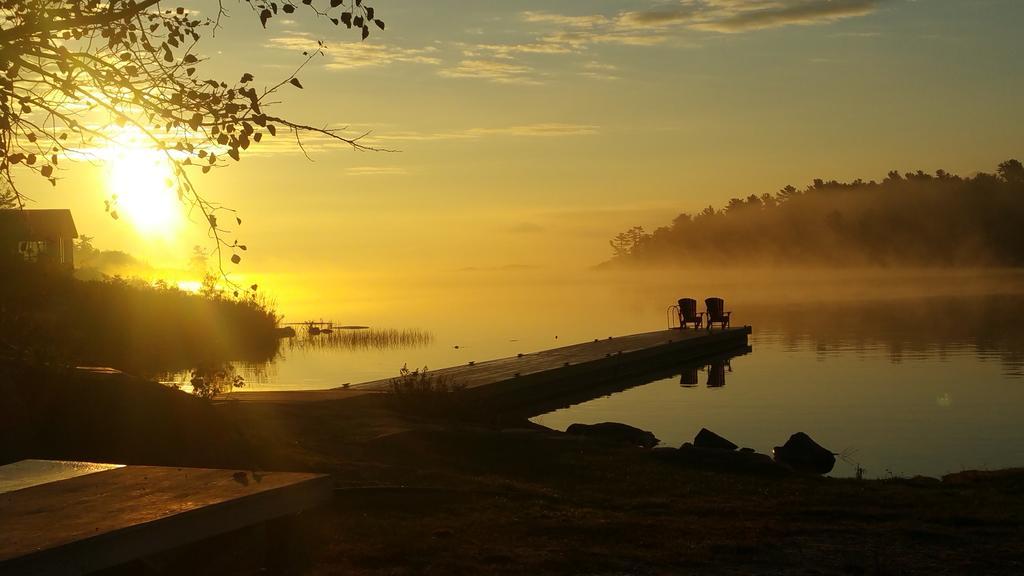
x: 903, y: 376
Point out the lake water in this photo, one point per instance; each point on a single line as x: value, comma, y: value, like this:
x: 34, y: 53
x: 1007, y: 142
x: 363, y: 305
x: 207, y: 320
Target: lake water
x: 903, y: 373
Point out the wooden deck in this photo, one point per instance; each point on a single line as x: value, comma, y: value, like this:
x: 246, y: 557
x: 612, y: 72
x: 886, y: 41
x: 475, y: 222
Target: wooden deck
x: 521, y: 382
x: 559, y: 362
x: 533, y: 378
x: 81, y: 524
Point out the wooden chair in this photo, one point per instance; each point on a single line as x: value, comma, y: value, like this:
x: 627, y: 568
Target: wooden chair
x: 716, y: 312
x: 688, y: 313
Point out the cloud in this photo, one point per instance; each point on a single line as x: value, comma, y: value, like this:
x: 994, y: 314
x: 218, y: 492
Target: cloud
x: 797, y: 12
x: 538, y: 130
x: 589, y: 21
x: 500, y: 71
x: 645, y: 27
x: 548, y: 129
x: 504, y: 63
x: 352, y: 55
x: 599, y: 71
x: 731, y: 16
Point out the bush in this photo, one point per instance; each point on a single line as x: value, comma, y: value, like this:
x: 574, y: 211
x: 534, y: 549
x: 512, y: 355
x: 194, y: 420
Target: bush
x: 420, y: 391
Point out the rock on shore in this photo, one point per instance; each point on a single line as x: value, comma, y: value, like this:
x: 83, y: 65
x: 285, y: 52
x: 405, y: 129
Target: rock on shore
x: 615, y: 432
x: 803, y: 454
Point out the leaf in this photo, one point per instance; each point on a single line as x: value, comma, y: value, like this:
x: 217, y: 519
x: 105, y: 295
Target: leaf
x: 295, y: 82
x: 246, y: 78
x: 379, y: 23
x: 235, y: 258
x: 264, y: 16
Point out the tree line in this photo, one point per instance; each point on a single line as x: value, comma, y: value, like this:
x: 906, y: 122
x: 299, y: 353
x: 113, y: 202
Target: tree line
x: 915, y: 219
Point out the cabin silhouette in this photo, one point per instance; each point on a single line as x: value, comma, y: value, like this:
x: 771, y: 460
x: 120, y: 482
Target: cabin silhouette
x: 43, y: 237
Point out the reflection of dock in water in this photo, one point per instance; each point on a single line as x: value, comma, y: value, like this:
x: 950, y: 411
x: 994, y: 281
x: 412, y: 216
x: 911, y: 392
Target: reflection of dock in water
x: 623, y: 383
x: 716, y: 369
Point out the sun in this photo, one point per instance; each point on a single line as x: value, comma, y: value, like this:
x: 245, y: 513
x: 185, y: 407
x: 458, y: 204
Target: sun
x: 141, y: 182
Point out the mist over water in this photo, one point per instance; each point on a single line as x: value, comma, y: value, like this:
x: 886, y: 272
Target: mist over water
x: 904, y: 371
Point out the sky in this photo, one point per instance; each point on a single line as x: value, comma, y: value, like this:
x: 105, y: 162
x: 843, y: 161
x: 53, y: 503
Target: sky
x: 526, y: 134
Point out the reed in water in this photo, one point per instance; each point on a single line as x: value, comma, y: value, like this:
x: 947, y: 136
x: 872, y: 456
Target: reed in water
x: 363, y: 339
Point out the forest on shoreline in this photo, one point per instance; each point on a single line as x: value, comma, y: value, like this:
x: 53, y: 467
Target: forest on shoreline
x: 912, y: 219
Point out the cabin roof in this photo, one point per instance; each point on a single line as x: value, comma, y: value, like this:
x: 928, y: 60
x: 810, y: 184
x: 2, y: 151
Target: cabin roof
x: 38, y: 224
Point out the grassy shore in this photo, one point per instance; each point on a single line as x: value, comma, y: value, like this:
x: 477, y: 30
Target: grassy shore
x: 128, y: 324
x: 428, y: 495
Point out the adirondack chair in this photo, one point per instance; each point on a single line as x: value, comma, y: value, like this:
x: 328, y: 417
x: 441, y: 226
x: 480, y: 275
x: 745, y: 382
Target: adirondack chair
x: 688, y: 313
x: 716, y: 312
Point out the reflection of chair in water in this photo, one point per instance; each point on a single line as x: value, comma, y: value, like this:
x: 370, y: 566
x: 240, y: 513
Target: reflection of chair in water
x: 716, y: 374
x: 688, y: 379
x: 716, y: 312
x: 688, y: 313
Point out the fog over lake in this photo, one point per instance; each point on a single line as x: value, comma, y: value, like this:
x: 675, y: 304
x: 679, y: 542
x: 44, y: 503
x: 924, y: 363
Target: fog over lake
x: 902, y: 372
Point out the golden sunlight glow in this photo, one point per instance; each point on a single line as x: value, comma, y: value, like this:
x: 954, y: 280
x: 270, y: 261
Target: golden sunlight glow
x: 141, y: 182
x: 189, y: 286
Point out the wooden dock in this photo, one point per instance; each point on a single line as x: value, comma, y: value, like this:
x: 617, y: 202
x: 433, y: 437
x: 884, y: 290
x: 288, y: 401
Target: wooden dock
x: 535, y: 378
x: 108, y: 516
x: 525, y: 380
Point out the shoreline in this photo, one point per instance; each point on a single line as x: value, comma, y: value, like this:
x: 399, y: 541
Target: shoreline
x: 417, y: 492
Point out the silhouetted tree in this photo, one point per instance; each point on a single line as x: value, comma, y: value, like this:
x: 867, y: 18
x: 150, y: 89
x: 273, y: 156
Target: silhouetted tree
x: 1012, y: 171
x: 625, y: 243
x: 69, y: 69
x: 911, y: 219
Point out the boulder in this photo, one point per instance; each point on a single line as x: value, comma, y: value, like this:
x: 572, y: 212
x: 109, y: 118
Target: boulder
x: 803, y: 454
x: 708, y: 439
x: 615, y: 432
x: 731, y: 461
